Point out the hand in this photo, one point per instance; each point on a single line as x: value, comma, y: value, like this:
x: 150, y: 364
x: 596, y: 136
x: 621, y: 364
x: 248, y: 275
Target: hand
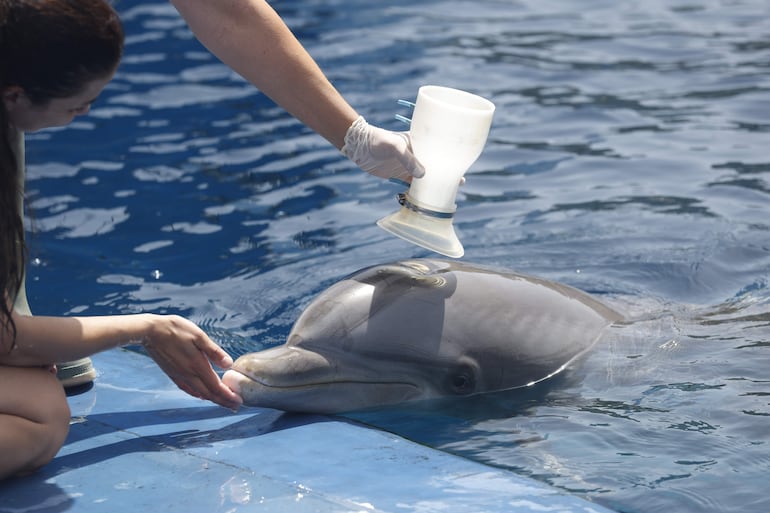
x: 381, y: 153
x: 185, y: 354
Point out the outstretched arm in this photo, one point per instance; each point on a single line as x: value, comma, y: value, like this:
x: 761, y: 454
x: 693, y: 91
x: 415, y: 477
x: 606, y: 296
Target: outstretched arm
x: 250, y: 37
x: 178, y: 346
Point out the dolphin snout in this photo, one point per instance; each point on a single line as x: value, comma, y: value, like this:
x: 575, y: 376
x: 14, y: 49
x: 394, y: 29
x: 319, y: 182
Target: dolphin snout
x: 233, y: 379
x: 295, y: 379
x: 279, y: 367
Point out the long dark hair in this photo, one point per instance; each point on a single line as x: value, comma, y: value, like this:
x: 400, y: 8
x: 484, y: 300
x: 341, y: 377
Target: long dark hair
x: 49, y: 49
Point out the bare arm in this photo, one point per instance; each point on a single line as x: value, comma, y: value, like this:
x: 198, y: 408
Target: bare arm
x: 250, y: 37
x: 177, y: 345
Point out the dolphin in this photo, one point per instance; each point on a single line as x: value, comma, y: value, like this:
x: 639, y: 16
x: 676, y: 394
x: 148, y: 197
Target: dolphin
x: 421, y: 329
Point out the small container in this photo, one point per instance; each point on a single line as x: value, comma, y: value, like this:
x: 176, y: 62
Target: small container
x: 449, y: 129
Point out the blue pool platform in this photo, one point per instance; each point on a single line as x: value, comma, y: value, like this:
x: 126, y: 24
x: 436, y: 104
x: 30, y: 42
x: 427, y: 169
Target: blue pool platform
x: 138, y: 444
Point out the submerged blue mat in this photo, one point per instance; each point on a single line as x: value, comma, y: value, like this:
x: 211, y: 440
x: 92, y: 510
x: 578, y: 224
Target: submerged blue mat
x: 138, y: 444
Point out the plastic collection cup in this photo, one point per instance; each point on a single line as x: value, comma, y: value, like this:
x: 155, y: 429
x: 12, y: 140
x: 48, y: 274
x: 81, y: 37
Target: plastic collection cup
x: 449, y: 129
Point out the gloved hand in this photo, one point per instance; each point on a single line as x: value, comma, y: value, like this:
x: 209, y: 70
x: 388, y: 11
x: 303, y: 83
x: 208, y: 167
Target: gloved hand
x: 380, y: 152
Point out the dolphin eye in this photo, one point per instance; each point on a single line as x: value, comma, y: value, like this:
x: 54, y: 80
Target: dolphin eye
x: 462, y: 381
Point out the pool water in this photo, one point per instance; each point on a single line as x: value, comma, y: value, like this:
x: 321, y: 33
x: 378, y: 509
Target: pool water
x: 628, y: 157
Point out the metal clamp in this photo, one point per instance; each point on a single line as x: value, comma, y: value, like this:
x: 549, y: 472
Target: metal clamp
x: 404, y: 202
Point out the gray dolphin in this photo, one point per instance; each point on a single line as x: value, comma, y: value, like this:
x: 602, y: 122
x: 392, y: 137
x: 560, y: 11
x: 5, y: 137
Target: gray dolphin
x: 421, y: 329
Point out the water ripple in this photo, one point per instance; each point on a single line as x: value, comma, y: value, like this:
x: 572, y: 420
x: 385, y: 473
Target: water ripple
x: 628, y: 157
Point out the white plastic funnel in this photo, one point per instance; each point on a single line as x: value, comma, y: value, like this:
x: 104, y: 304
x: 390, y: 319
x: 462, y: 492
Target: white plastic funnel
x: 449, y: 129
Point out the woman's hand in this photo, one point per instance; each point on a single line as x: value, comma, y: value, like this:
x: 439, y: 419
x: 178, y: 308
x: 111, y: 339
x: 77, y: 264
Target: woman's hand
x: 185, y: 353
x: 381, y: 153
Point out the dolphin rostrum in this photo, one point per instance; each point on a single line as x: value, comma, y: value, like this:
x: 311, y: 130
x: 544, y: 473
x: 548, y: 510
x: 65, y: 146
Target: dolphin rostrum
x: 421, y: 329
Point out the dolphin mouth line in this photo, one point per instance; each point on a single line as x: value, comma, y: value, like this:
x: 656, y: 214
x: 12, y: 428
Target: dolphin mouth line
x: 311, y: 384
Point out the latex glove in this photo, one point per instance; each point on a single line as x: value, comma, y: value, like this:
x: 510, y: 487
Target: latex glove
x: 184, y: 352
x: 381, y: 153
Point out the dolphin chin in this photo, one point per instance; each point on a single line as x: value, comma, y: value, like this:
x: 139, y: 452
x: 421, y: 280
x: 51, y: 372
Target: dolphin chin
x: 421, y: 329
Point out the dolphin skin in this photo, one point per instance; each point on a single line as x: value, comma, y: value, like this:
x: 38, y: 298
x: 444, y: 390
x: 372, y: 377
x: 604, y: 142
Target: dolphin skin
x: 421, y: 329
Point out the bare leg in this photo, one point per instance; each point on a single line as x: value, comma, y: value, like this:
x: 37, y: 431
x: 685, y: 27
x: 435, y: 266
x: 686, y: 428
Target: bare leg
x: 34, y: 419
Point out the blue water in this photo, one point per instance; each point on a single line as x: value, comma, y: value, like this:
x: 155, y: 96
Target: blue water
x: 628, y: 157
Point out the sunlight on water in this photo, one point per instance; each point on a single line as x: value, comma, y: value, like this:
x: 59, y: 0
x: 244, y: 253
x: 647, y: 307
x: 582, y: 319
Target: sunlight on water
x: 628, y: 157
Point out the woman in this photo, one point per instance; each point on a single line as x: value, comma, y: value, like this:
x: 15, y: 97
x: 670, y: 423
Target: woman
x: 56, y: 56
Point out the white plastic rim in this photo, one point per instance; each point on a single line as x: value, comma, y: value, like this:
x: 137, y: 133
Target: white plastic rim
x: 428, y: 232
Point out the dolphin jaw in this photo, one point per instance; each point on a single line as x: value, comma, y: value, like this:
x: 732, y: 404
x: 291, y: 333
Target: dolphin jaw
x: 293, y: 368
x: 237, y: 378
x: 320, y: 396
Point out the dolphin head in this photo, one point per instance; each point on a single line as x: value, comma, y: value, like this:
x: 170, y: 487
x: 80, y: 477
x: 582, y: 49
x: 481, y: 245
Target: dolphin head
x: 419, y: 329
x: 298, y: 379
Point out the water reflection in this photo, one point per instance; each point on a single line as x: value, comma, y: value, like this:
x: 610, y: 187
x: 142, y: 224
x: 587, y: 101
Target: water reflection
x: 627, y: 157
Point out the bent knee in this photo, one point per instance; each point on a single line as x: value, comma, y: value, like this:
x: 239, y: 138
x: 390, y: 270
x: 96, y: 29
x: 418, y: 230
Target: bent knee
x: 35, y: 417
x: 53, y: 418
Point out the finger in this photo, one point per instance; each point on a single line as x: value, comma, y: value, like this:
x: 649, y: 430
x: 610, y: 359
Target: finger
x: 217, y: 355
x: 212, y: 350
x: 198, y: 379
x: 210, y: 387
x: 226, y: 398
x: 412, y: 166
x: 229, y: 399
x: 221, y: 395
x: 409, y: 161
